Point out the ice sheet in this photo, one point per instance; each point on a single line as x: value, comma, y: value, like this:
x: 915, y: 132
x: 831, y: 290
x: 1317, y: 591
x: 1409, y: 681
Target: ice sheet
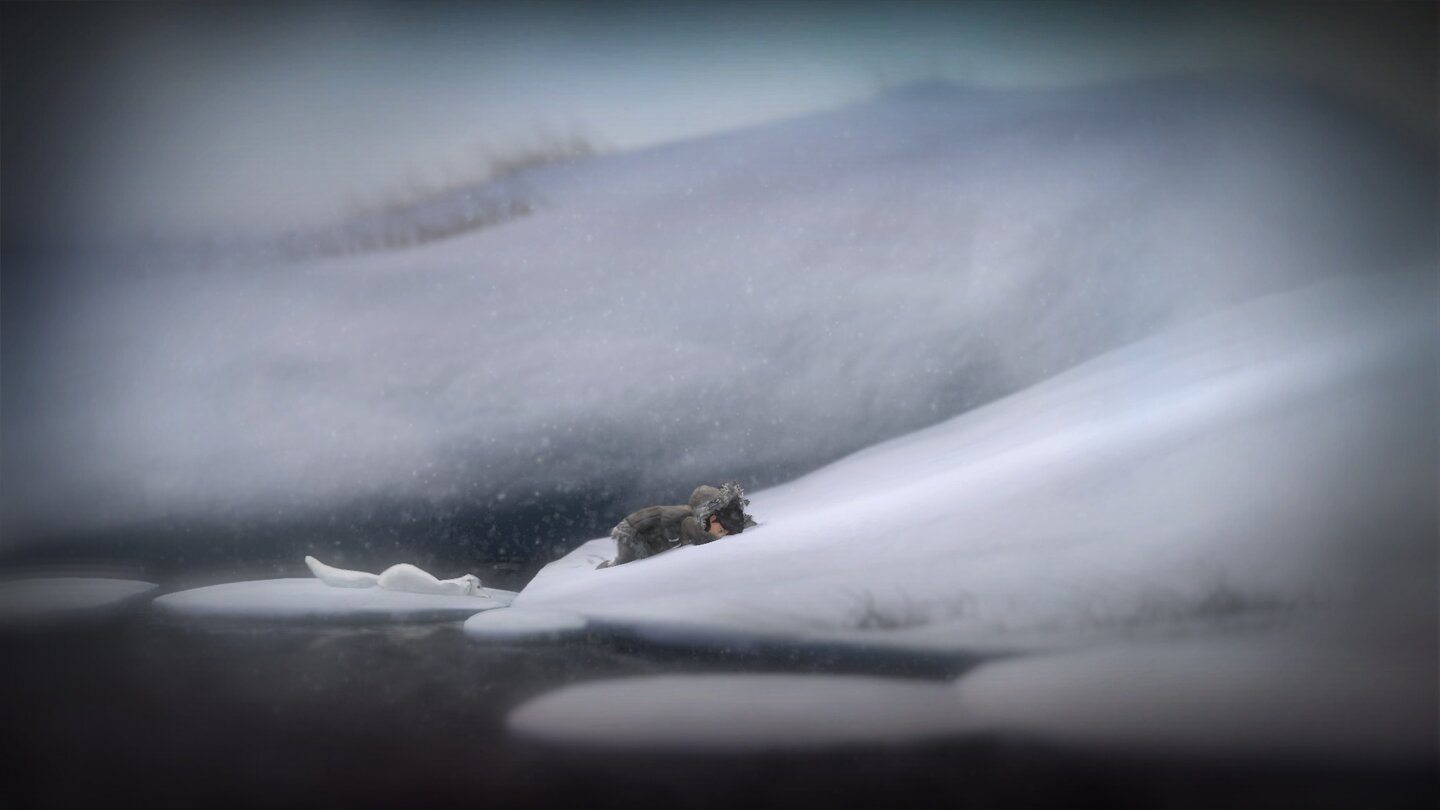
x: 311, y: 599
x: 35, y: 599
x: 1244, y: 697
x: 738, y: 712
x: 512, y: 626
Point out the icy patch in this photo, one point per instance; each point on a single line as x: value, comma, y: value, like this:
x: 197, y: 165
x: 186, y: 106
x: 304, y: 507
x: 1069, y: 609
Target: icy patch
x: 515, y: 626
x: 1248, y: 697
x: 734, y: 713
x: 1231, y: 697
x: 43, y: 599
x: 289, y: 599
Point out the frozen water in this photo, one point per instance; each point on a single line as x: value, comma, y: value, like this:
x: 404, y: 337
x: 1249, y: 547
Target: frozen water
x: 1238, y: 696
x: 1242, y: 695
x: 738, y: 712
x: 311, y: 599
x: 36, y: 599
x: 512, y: 626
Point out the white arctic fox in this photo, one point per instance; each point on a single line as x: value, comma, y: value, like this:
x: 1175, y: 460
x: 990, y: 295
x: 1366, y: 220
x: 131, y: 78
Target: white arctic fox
x: 401, y: 577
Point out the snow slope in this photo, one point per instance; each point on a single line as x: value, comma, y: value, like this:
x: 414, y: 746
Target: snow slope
x: 1234, y: 519
x: 1275, y: 456
x: 753, y: 304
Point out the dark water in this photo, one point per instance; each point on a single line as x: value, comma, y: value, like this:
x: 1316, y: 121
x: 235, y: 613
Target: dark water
x: 151, y: 712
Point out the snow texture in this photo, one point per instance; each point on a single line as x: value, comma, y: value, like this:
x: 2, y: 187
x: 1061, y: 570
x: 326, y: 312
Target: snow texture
x: 47, y: 599
x: 757, y: 302
x: 311, y: 599
x: 1270, y: 466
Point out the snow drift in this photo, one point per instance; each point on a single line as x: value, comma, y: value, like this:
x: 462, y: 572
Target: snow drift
x: 1220, y: 539
x: 748, y: 305
x: 1277, y: 456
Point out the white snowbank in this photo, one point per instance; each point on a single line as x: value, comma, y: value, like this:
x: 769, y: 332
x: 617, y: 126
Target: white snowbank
x: 1270, y: 457
x: 1141, y: 515
x: 762, y: 300
x: 38, y: 599
x: 311, y: 599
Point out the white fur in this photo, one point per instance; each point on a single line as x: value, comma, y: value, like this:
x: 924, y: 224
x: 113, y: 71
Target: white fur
x: 339, y: 577
x: 401, y: 577
x: 406, y: 577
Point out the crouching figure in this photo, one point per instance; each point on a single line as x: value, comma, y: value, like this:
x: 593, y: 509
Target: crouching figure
x: 713, y: 512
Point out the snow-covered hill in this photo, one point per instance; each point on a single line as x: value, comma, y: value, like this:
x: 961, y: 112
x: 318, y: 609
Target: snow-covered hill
x: 748, y: 305
x: 1275, y: 457
x: 1223, y: 537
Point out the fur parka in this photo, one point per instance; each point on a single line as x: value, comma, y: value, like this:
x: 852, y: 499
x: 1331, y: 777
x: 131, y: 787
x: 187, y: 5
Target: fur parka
x: 649, y: 531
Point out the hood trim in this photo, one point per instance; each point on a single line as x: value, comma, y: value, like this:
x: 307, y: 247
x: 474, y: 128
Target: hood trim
x: 729, y: 491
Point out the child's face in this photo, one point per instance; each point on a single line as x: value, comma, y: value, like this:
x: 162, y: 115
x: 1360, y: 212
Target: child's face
x: 715, y: 528
x: 731, y: 515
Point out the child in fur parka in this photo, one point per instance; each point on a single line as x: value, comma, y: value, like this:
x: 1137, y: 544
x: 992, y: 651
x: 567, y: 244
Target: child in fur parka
x: 712, y: 513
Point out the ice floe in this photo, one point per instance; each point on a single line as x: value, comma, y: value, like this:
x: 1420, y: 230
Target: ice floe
x: 47, y: 599
x: 311, y: 599
x: 514, y: 626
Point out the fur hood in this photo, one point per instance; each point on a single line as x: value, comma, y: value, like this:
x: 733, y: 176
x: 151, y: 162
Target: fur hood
x: 707, y: 500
